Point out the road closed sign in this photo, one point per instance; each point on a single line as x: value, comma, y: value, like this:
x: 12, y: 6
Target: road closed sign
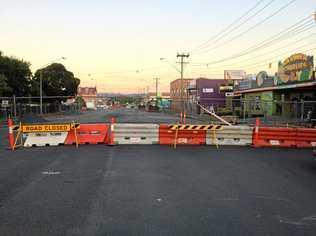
x: 46, y: 128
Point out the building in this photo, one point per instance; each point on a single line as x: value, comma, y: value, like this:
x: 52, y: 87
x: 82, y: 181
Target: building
x: 178, y: 93
x: 89, y: 95
x: 206, y: 92
x: 288, y: 93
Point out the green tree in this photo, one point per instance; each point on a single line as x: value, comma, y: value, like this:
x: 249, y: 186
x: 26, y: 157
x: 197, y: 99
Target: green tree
x: 16, y: 76
x: 56, y: 81
x: 5, y: 89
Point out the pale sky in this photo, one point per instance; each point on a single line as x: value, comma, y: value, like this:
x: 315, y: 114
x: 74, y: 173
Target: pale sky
x: 120, y: 43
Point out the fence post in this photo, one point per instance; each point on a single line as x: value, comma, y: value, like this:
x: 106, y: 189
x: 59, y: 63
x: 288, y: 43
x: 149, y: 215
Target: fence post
x: 14, y: 107
x: 302, y: 110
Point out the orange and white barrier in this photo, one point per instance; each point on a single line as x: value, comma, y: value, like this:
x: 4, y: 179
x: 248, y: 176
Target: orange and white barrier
x: 88, y: 134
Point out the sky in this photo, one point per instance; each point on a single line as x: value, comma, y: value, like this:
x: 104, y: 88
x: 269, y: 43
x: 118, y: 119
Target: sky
x: 117, y: 45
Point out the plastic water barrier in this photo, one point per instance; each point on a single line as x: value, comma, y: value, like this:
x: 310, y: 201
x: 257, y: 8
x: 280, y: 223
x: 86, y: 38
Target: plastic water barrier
x: 230, y: 135
x: 136, y: 133
x: 88, y: 134
x: 284, y: 137
x: 170, y: 136
x: 45, y: 139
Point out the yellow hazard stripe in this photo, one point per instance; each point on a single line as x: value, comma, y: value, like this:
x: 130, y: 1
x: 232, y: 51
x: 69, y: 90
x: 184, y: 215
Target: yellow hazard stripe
x: 195, y: 127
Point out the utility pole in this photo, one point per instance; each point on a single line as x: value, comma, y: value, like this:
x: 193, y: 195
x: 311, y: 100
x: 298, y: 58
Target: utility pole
x: 156, y: 81
x: 41, y: 92
x: 182, y: 56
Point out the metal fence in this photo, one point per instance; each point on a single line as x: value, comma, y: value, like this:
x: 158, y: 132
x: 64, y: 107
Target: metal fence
x: 19, y: 107
x: 245, y: 111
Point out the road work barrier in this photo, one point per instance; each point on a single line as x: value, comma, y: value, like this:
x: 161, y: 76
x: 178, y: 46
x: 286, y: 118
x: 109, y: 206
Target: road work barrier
x: 183, y: 134
x: 272, y: 136
x: 88, y: 134
x: 31, y: 135
x: 230, y: 135
x: 136, y: 133
x: 305, y: 138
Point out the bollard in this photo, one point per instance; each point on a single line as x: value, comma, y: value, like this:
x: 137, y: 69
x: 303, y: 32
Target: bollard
x: 184, y: 118
x: 10, y: 134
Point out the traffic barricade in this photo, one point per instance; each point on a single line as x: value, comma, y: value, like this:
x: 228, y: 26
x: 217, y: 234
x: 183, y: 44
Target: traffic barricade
x: 305, y: 138
x: 136, y: 133
x: 230, y: 135
x: 89, y: 134
x: 272, y: 136
x: 184, y: 134
x: 36, y: 135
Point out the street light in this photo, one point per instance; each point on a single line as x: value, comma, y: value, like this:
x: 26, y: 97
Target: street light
x: 41, y: 81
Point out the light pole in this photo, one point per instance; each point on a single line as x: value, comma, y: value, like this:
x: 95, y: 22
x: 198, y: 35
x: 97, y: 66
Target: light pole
x: 41, y: 82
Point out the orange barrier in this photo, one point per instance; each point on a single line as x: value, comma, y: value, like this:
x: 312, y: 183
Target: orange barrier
x: 305, y: 138
x: 174, y: 137
x: 271, y: 136
x: 10, y: 134
x: 89, y: 134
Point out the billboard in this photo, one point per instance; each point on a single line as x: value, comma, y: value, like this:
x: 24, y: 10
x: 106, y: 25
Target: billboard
x: 234, y: 74
x: 296, y: 68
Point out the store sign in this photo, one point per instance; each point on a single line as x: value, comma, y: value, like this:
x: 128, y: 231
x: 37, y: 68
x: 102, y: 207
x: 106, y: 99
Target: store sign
x: 208, y: 90
x: 226, y: 88
x: 298, y: 67
x: 245, y: 84
x: 5, y: 103
x: 229, y: 94
x: 297, y: 62
x: 234, y: 74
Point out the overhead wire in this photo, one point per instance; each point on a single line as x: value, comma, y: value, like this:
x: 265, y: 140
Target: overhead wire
x: 283, y: 7
x: 224, y: 31
x: 220, y: 37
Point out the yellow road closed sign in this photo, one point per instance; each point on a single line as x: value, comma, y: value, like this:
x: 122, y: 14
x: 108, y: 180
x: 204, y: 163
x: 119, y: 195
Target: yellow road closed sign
x: 46, y: 128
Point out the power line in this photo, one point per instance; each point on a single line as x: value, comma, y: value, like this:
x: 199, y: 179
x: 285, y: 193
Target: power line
x: 228, y: 27
x: 238, y: 26
x: 271, y: 51
x: 298, y: 27
x: 252, y: 27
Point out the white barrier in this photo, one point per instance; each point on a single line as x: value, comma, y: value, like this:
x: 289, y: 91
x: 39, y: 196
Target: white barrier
x: 45, y: 139
x: 136, y: 133
x: 230, y: 135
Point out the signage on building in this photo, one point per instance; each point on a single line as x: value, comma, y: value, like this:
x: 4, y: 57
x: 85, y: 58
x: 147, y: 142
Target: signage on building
x: 229, y: 94
x: 5, y: 103
x: 234, y: 74
x: 244, y: 84
x: 298, y: 67
x: 226, y: 88
x: 208, y: 90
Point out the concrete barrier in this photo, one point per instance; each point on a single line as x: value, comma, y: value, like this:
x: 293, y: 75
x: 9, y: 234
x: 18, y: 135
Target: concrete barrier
x: 136, y: 133
x: 230, y: 135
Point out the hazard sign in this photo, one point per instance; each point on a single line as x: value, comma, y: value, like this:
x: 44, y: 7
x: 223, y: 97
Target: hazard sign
x: 46, y: 128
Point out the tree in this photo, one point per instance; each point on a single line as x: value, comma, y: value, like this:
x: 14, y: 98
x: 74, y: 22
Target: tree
x: 15, y: 75
x: 56, y: 81
x: 5, y: 89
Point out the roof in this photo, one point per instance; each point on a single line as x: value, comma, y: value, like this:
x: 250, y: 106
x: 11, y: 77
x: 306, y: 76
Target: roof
x: 87, y: 91
x: 289, y: 86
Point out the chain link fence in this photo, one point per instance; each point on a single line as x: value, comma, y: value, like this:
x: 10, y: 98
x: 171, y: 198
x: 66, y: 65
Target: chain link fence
x: 300, y: 113
x: 20, y: 107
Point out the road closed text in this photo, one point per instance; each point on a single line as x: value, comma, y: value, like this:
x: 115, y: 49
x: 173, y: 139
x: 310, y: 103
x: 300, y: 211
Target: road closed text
x: 46, y: 128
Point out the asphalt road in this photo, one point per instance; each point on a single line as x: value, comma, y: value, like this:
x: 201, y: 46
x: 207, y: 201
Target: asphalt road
x: 121, y: 115
x: 157, y: 190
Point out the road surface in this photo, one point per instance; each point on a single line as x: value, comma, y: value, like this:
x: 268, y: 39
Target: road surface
x: 156, y: 190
